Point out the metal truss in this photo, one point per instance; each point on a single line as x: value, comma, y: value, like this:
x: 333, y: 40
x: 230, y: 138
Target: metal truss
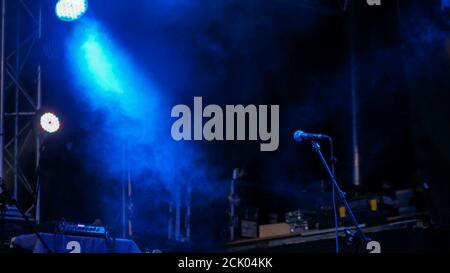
x: 20, y: 103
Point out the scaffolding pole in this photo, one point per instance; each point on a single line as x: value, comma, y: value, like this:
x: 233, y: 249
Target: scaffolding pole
x: 21, y: 24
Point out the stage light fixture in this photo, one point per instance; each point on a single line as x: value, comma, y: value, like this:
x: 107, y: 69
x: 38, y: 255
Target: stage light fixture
x: 71, y: 10
x: 50, y: 123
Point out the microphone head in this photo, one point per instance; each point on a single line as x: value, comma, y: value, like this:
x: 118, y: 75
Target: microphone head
x: 298, y: 136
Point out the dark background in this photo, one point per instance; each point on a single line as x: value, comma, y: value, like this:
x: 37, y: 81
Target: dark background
x: 260, y: 52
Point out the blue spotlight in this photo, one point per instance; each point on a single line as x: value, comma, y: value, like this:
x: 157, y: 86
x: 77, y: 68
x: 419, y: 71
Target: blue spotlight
x: 71, y: 10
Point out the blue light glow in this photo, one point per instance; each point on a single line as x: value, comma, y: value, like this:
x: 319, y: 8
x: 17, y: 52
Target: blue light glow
x: 100, y: 65
x: 133, y: 110
x: 71, y: 10
x: 126, y: 117
x: 119, y: 91
x: 107, y: 76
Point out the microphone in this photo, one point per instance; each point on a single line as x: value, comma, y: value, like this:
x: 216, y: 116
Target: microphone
x: 300, y: 136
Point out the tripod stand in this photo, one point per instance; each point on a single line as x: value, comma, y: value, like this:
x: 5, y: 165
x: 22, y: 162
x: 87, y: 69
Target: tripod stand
x: 6, y: 199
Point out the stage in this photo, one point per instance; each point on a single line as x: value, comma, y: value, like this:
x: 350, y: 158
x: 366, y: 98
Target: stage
x: 225, y: 126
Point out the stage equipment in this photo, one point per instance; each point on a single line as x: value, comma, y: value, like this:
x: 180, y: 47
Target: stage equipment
x: 274, y: 230
x: 6, y: 199
x: 62, y: 243
x: 404, y: 202
x: 50, y: 123
x: 249, y: 222
x: 369, y: 210
x: 179, y: 228
x: 62, y: 227
x: 71, y: 10
x: 301, y: 221
x: 234, y: 201
x: 400, y: 235
x: 249, y: 229
x: 341, y: 194
x: 300, y: 136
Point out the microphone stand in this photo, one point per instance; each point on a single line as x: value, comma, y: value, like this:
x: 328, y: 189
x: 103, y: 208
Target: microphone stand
x: 341, y: 194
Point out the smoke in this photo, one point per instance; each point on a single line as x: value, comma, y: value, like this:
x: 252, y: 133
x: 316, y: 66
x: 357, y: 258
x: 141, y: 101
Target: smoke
x: 129, y: 73
x: 129, y: 127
